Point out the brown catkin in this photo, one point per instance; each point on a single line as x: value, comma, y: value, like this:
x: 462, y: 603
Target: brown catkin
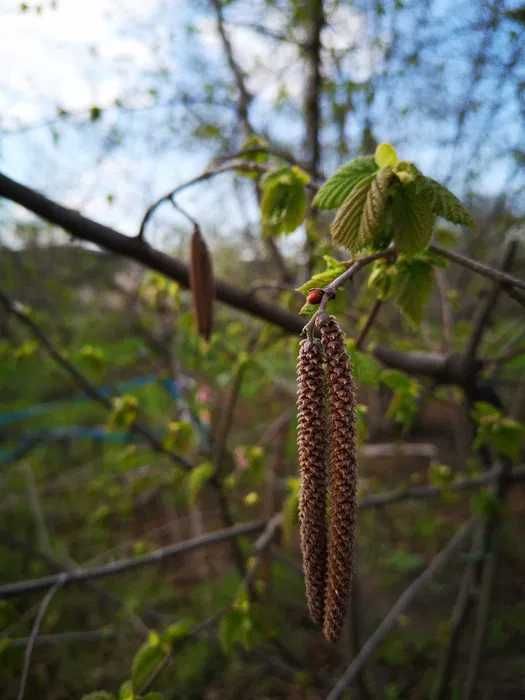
x: 342, y: 476
x: 311, y: 443
x: 202, y: 283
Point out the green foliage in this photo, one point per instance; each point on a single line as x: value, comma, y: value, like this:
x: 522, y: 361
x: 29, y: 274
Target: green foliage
x: 367, y: 369
x: 485, y: 503
x: 147, y: 661
x: 197, y: 478
x: 284, y: 202
x: 413, y: 220
x: 124, y: 412
x: 504, y: 435
x: 237, y: 627
x: 180, y: 436
x: 444, y: 203
x: 402, y: 561
x: 346, y: 226
x: 99, y: 695
x: 334, y: 268
x: 382, y: 199
x: 337, y: 188
x: 408, y: 282
x: 386, y: 156
x: 403, y: 406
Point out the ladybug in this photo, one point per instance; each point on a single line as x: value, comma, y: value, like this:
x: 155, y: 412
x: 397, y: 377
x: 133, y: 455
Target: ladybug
x: 314, y: 296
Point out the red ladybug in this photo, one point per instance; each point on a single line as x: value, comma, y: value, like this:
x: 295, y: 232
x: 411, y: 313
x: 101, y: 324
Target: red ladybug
x: 314, y: 296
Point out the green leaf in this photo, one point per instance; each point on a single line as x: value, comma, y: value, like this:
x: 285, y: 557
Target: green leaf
x: 124, y: 412
x: 99, y: 695
x: 403, y: 561
x: 443, y: 202
x: 367, y: 369
x: 178, y: 630
x: 385, y: 156
x: 503, y: 434
x: 126, y: 691
x: 284, y: 202
x: 345, y: 227
x: 403, y: 407
x: 196, y: 479
x: 372, y: 220
x: 146, y: 661
x: 321, y: 279
x: 236, y: 628
x: 259, y: 146
x: 337, y: 188
x: 413, y: 219
x: 180, y: 436
x: 411, y: 287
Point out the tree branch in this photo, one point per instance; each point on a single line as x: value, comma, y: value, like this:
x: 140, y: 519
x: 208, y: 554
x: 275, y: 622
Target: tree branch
x: 107, y: 238
x: 443, y: 369
x: 312, y: 97
x: 490, y: 273
x: 34, y: 632
x: 245, y: 98
x: 416, y: 493
x: 120, y: 566
x: 483, y: 316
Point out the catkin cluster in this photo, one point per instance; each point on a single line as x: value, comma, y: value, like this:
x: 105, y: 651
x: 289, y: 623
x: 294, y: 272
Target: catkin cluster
x: 327, y: 459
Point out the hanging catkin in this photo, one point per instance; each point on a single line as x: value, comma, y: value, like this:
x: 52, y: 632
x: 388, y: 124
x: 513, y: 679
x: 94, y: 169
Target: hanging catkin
x: 342, y: 476
x: 202, y: 283
x: 311, y: 441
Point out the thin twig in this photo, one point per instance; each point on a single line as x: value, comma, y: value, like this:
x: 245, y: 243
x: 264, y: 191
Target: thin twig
x: 421, y: 492
x: 206, y: 175
x: 392, y: 617
x: 245, y: 98
x: 458, y: 621
x: 359, y: 343
x: 65, y: 637
x: 490, y: 273
x: 353, y: 268
x: 34, y: 632
x: 482, y: 618
x: 486, y: 310
x: 125, y: 565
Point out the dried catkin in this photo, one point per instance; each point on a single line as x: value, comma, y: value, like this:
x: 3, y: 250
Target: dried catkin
x: 342, y: 476
x: 311, y: 442
x: 202, y: 283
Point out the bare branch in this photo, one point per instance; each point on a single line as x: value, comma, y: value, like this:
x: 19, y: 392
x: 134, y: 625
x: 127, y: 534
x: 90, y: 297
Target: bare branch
x: 245, y: 98
x: 125, y: 565
x: 397, y: 610
x: 417, y: 493
x: 206, y: 175
x: 490, y: 273
x: 66, y: 637
x: 485, y: 311
x: 34, y: 632
x: 368, y: 324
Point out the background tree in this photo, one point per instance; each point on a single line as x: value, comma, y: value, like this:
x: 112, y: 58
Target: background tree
x: 148, y: 531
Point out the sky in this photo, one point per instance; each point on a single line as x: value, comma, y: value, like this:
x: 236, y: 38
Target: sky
x: 125, y: 64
